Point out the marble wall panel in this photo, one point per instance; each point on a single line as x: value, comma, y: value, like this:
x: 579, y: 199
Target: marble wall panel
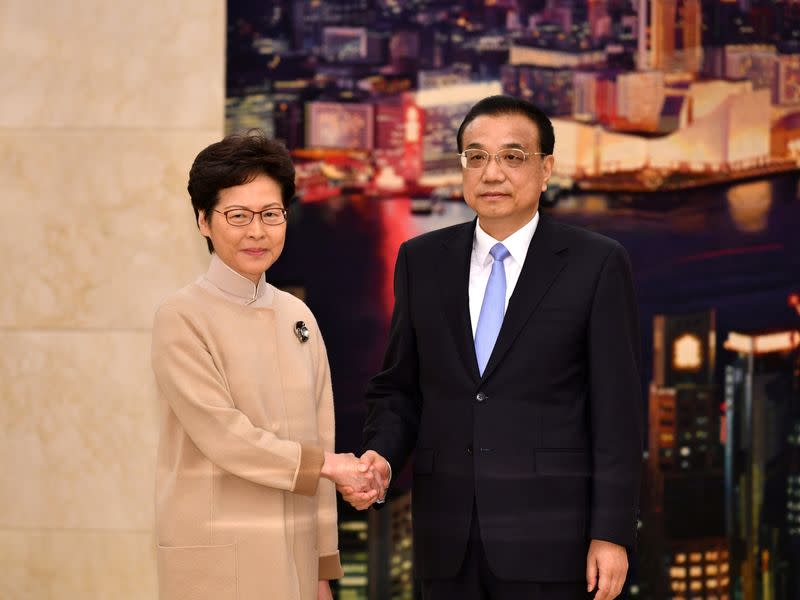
x: 96, y: 228
x: 112, y: 64
x: 103, y: 106
x: 79, y: 431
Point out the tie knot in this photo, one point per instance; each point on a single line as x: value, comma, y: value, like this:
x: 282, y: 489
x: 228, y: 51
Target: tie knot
x: 499, y: 252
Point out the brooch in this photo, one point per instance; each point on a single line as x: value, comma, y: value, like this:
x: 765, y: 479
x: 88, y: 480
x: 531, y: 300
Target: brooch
x: 301, y: 331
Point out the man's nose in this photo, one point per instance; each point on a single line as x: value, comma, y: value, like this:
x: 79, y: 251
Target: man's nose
x: 493, y: 171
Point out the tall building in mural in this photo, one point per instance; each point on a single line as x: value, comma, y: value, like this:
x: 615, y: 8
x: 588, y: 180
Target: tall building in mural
x: 675, y: 29
x: 391, y: 551
x: 691, y: 30
x: 354, y: 554
x: 663, y: 15
x: 762, y: 466
x: 684, y: 550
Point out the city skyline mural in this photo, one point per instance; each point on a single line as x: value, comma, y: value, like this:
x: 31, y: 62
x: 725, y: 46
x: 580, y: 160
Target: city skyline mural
x: 677, y: 127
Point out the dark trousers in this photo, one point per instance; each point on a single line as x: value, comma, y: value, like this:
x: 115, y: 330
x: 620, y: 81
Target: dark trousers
x: 475, y: 580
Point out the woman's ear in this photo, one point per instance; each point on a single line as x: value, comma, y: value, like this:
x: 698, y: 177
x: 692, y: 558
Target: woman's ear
x: 202, y: 224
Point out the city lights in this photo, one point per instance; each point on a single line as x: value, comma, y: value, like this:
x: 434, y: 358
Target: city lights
x: 646, y: 97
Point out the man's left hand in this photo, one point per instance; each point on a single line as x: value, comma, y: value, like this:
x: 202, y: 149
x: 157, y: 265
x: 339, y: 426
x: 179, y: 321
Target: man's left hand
x: 611, y: 561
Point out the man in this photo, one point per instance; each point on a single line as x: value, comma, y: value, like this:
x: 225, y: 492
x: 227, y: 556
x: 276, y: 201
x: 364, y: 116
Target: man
x: 511, y: 373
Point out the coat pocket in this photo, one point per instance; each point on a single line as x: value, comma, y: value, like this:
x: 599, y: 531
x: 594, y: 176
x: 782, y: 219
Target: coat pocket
x: 197, y: 573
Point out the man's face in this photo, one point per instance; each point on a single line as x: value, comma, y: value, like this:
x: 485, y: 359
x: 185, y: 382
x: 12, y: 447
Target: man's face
x: 504, y: 197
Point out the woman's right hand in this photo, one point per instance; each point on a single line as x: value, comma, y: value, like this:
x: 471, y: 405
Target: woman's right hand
x: 347, y: 470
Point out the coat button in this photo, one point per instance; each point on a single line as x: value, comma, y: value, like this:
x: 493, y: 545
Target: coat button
x: 481, y: 397
x: 468, y: 451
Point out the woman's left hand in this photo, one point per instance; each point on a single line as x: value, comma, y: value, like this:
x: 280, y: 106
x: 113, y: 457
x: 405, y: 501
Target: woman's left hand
x: 324, y: 590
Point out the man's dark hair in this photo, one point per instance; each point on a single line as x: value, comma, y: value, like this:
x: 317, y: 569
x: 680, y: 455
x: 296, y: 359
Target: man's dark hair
x: 238, y: 159
x: 508, y: 105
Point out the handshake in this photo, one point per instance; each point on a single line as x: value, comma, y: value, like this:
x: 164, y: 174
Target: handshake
x: 361, y: 481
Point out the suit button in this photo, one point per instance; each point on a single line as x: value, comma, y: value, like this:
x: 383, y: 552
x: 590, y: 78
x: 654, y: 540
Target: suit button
x: 481, y: 397
x: 468, y: 451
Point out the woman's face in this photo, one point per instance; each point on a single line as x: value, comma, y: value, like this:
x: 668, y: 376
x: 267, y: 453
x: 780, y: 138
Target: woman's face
x: 249, y: 250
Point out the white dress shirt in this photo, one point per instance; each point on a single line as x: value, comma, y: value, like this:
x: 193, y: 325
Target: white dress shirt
x: 480, y: 264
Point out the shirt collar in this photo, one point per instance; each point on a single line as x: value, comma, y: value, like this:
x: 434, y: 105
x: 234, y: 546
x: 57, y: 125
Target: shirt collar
x: 230, y: 282
x: 516, y: 244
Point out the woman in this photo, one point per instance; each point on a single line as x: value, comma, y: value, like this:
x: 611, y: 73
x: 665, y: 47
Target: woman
x: 245, y: 496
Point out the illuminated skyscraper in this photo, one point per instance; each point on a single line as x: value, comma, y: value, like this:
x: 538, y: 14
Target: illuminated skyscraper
x: 598, y: 19
x: 354, y: 553
x: 642, y: 59
x: 675, y: 35
x: 662, y: 32
x: 691, y: 28
x: 401, y: 558
x: 584, y: 100
x: 762, y: 464
x: 390, y: 133
x: 391, y: 551
x: 684, y: 549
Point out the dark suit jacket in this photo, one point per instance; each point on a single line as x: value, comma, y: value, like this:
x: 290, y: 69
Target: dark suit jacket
x: 548, y: 442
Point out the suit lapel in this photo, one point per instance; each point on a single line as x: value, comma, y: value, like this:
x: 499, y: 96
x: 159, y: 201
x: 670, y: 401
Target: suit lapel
x: 453, y: 283
x: 543, y: 263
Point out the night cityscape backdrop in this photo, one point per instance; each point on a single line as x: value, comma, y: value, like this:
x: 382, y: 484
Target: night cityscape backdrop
x: 677, y: 133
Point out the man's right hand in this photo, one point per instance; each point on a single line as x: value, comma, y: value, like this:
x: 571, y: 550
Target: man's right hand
x: 347, y: 470
x: 382, y: 474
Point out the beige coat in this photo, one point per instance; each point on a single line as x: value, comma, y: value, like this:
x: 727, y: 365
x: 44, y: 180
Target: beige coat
x: 246, y: 414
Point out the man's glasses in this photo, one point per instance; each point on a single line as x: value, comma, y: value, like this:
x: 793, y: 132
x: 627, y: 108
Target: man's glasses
x: 475, y: 158
x: 240, y: 217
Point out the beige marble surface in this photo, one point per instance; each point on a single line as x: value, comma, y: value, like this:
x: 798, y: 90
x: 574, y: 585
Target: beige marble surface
x: 96, y: 229
x: 79, y: 430
x: 112, y: 64
x: 77, y: 565
x: 103, y: 106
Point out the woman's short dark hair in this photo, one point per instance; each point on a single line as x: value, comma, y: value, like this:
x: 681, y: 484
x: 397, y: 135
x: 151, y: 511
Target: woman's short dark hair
x: 508, y: 105
x: 238, y: 159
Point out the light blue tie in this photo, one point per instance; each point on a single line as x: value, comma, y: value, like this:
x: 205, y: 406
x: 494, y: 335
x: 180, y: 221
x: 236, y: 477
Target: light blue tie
x: 493, y: 308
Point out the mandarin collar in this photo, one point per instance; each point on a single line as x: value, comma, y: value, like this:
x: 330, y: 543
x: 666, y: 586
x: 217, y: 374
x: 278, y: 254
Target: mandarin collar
x: 230, y: 282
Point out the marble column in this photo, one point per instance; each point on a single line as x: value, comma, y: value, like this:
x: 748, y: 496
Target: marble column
x: 103, y: 106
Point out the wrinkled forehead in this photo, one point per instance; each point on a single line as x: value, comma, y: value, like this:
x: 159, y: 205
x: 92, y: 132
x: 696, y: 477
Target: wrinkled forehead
x: 501, y: 131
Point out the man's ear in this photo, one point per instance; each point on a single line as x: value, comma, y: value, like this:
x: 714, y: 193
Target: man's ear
x: 547, y: 168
